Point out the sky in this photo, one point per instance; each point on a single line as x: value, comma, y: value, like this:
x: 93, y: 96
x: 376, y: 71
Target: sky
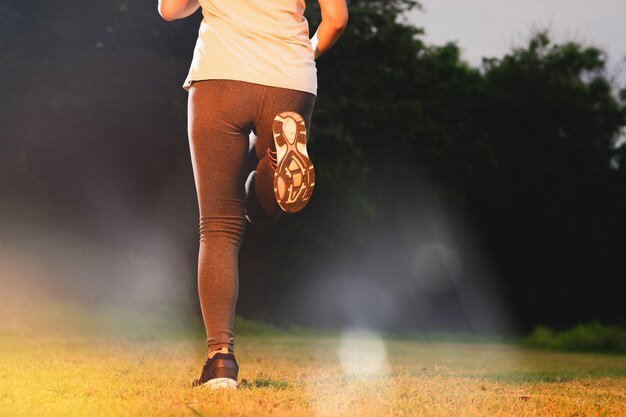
x: 492, y: 27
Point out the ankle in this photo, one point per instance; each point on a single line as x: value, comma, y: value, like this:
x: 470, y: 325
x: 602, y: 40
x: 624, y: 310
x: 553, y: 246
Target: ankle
x: 224, y: 350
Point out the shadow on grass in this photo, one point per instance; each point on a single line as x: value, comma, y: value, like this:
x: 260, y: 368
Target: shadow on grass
x: 521, y: 377
x: 264, y: 383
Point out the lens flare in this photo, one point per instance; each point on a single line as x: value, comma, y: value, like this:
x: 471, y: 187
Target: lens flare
x: 362, y: 352
x: 364, y: 373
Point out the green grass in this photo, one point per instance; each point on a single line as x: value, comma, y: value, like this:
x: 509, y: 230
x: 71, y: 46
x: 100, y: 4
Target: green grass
x: 591, y: 337
x: 134, y: 369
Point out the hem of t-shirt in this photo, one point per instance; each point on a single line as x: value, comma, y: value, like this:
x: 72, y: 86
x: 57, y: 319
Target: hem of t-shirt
x: 187, y: 84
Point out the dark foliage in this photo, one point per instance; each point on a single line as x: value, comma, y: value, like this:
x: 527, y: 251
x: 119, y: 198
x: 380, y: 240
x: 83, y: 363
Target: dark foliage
x: 92, y: 110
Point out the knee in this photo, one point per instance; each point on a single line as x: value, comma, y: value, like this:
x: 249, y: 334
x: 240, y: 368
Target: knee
x: 227, y: 228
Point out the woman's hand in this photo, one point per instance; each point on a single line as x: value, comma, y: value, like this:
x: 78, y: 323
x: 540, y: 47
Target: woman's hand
x: 177, y: 9
x: 334, y: 21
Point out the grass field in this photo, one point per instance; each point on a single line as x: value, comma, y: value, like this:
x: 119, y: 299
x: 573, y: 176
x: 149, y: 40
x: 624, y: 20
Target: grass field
x: 303, y: 374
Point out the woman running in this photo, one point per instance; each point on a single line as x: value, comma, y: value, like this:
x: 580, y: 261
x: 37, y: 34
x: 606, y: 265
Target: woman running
x: 252, y: 86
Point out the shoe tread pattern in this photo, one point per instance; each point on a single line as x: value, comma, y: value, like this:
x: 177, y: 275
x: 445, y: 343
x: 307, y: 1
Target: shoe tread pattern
x: 294, y: 168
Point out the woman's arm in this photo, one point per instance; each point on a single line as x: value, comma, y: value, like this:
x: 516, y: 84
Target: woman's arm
x: 177, y: 9
x: 334, y: 21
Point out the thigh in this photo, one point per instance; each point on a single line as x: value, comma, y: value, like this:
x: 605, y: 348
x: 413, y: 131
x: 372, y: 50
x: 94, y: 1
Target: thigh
x: 277, y: 100
x: 220, y: 117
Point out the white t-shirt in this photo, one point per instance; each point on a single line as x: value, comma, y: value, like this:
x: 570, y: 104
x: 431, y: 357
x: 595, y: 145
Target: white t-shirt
x: 259, y: 41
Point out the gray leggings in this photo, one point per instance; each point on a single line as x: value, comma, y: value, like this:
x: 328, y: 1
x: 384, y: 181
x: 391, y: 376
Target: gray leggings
x: 230, y: 131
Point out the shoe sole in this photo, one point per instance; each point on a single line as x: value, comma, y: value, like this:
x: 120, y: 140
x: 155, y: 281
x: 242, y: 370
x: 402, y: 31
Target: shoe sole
x: 221, y: 383
x: 294, y: 169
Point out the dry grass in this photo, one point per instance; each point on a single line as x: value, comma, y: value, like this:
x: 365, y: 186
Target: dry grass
x: 300, y: 375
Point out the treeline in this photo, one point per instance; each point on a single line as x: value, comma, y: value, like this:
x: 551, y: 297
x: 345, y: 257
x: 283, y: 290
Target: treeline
x: 523, y: 148
x: 447, y: 196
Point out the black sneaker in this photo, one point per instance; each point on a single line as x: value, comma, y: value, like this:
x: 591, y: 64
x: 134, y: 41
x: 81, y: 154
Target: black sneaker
x: 219, y: 372
x: 294, y: 170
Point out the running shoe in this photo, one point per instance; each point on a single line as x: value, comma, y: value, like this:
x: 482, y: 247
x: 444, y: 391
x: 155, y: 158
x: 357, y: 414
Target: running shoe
x: 294, y: 176
x: 220, y: 371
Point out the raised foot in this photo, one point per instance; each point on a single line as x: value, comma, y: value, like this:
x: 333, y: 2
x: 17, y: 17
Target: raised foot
x: 294, y: 177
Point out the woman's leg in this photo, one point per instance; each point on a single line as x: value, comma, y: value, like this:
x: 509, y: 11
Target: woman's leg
x: 261, y: 205
x: 220, y: 118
